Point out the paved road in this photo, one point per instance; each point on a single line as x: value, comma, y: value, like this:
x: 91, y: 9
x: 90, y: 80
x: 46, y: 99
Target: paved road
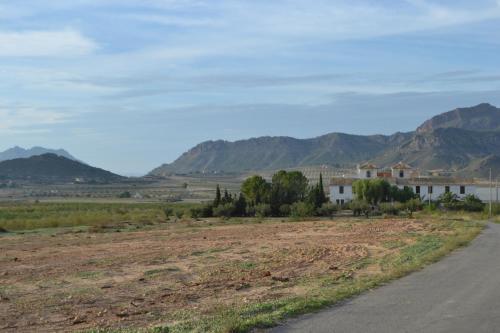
x: 461, y: 293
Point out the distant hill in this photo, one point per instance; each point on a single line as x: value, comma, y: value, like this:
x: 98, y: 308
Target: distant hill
x: 53, y: 168
x: 446, y: 148
x: 18, y: 152
x: 466, y: 140
x: 269, y: 153
x: 482, y: 117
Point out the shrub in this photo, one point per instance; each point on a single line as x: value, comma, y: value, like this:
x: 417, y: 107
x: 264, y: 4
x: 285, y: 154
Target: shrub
x: 327, y: 209
x: 390, y: 208
x: 224, y: 210
x: 285, y: 210
x: 262, y: 210
x: 360, y: 207
x: 168, y: 211
x: 412, y: 205
x: 125, y: 195
x: 179, y: 214
x: 195, y: 213
x: 472, y: 203
x: 207, y: 211
x: 302, y: 209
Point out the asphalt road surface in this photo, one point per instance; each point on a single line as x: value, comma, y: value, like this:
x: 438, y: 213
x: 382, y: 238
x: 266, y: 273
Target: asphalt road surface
x: 461, y: 293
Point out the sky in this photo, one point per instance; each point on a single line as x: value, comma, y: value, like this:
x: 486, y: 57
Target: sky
x: 127, y: 85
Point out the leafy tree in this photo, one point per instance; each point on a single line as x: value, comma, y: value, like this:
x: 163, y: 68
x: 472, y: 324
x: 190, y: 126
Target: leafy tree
x: 402, y: 195
x: 287, y: 188
x: 372, y: 191
x: 255, y: 190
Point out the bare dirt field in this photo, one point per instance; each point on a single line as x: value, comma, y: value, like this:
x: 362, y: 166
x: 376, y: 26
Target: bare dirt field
x: 77, y: 281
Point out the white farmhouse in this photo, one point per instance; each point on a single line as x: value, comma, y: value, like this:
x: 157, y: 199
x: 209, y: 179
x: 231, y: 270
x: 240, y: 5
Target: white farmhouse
x: 402, y: 175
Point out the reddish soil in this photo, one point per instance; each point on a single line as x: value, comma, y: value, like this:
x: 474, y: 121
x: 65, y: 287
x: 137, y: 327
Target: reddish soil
x: 75, y: 281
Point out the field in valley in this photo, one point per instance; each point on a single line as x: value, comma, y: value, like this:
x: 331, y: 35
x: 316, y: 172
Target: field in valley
x: 183, y: 275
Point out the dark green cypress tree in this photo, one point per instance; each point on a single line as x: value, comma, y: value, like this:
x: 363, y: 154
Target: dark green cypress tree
x: 217, y: 200
x: 321, y: 190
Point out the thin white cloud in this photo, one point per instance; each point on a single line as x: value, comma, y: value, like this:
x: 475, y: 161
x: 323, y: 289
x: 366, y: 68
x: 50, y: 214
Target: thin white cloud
x: 27, y: 119
x: 176, y: 21
x: 64, y: 43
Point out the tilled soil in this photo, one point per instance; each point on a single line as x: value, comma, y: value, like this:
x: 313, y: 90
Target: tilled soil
x: 76, y: 281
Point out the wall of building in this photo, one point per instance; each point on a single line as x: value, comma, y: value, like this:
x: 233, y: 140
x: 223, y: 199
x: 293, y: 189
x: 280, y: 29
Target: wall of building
x: 483, y: 193
x: 362, y: 173
x: 437, y: 190
x: 336, y: 195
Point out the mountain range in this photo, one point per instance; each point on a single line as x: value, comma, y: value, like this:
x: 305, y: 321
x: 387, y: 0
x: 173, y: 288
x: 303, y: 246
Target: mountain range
x: 464, y: 140
x: 18, y: 152
x: 53, y: 168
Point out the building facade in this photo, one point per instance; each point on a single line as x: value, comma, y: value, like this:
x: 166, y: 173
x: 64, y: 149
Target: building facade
x: 402, y: 175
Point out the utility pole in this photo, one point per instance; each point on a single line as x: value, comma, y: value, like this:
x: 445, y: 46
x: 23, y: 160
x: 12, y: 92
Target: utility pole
x: 496, y: 188
x: 491, y: 194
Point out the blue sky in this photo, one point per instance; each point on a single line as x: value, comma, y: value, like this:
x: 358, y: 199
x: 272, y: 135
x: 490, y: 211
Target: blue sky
x: 130, y: 84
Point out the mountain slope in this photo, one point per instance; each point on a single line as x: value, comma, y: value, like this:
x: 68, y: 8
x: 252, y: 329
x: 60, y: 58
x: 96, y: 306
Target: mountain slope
x: 50, y: 167
x: 444, y: 148
x: 18, y: 152
x: 269, y: 153
x: 465, y: 139
x: 482, y: 117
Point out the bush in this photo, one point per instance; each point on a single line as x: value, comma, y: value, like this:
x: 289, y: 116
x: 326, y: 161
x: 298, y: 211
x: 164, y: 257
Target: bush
x: 195, y: 213
x: 390, y: 208
x: 262, y: 210
x: 302, y: 209
x: 125, y: 195
x: 179, y: 214
x: 224, y: 210
x: 472, y: 203
x: 360, y: 207
x: 285, y: 210
x: 168, y: 212
x: 327, y: 209
x: 412, y: 205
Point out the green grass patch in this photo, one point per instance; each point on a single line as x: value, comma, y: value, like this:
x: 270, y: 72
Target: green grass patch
x: 31, y: 216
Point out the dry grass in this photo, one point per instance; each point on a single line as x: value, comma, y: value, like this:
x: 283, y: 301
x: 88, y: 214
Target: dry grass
x: 202, y: 276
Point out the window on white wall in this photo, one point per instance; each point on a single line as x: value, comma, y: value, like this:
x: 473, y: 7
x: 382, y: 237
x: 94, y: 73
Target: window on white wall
x: 341, y: 189
x: 462, y: 189
x: 368, y: 174
x: 401, y: 174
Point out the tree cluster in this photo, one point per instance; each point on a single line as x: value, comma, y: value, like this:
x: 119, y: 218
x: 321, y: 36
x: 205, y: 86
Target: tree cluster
x: 451, y: 201
x: 375, y: 191
x: 288, y: 194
